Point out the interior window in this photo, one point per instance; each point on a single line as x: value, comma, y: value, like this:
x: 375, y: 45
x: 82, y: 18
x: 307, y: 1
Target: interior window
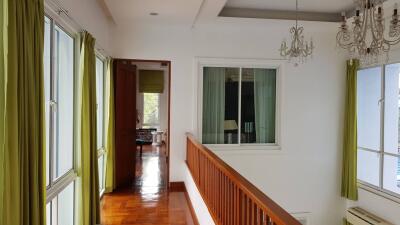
x: 59, y: 67
x: 63, y: 101
x: 151, y: 109
x: 100, y: 120
x: 100, y: 101
x: 378, y: 106
x: 239, y: 105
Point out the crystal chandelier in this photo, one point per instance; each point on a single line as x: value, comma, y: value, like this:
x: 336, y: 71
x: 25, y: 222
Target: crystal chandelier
x: 366, y: 40
x: 299, y: 49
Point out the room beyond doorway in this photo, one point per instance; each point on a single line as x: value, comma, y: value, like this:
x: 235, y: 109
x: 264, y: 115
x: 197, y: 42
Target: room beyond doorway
x: 150, y: 162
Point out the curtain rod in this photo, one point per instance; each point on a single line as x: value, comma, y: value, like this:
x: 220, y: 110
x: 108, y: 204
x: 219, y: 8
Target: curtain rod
x: 60, y: 10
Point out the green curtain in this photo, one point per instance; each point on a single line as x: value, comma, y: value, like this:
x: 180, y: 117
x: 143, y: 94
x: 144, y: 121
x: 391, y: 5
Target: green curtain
x: 2, y: 99
x: 110, y: 125
x: 88, y: 207
x: 22, y: 149
x: 264, y: 104
x: 213, y: 105
x: 349, y: 170
x: 151, y: 81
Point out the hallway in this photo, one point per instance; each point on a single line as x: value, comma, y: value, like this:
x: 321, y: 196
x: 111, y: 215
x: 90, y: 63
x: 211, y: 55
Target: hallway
x: 147, y: 202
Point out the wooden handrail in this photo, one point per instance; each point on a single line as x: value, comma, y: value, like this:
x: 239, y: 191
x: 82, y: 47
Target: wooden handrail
x: 231, y: 199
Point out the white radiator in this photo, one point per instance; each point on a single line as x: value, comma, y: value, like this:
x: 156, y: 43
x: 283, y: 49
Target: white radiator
x: 358, y: 216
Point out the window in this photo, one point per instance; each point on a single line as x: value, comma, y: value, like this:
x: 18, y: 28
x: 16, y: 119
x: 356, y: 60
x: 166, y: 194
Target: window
x: 239, y: 105
x: 378, y: 106
x: 100, y: 120
x: 59, y: 67
x: 151, y: 110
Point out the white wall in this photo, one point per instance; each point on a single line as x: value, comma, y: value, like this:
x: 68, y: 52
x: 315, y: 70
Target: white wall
x: 305, y: 177
x: 90, y: 15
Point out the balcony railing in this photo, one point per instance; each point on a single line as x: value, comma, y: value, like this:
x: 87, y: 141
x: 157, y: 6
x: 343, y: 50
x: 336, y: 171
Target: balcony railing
x: 231, y: 199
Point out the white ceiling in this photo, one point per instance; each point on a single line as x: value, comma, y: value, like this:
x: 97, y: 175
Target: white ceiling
x: 182, y: 12
x: 331, y: 6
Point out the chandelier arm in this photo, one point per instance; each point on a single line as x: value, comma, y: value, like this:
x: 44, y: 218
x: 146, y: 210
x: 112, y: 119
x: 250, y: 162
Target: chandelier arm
x: 372, y: 23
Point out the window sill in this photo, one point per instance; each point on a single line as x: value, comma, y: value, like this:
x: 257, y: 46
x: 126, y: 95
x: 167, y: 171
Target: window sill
x: 245, y: 149
x: 380, y: 192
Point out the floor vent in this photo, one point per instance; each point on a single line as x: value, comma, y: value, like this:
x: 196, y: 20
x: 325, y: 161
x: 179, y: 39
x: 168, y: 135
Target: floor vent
x: 358, y: 216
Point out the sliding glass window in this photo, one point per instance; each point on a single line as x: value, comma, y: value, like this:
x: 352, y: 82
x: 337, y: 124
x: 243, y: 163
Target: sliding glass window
x: 59, y: 70
x: 239, y: 105
x: 100, y: 120
x: 378, y: 125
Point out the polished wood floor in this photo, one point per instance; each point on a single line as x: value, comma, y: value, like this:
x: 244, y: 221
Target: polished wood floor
x: 147, y: 202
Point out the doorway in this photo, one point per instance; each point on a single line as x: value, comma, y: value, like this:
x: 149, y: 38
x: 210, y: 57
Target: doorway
x: 148, y: 165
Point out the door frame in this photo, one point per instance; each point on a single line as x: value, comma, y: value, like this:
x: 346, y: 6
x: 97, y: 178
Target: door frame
x: 168, y: 62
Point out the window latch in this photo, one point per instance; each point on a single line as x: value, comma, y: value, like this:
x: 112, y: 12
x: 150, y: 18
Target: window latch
x: 380, y: 101
x: 53, y: 104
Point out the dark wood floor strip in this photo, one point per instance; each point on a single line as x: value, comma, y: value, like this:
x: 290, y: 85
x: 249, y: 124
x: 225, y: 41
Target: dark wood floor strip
x: 147, y: 201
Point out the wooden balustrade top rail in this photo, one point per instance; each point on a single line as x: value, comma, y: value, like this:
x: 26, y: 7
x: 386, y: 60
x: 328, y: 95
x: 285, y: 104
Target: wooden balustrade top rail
x: 231, y: 198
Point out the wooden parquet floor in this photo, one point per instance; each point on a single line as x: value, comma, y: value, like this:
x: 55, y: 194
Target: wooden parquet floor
x: 147, y: 202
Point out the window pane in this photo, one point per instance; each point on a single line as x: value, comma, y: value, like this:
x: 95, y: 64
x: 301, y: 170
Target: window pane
x: 220, y: 105
x: 392, y: 107
x: 258, y: 105
x: 151, y: 108
x: 48, y: 213
x: 100, y: 162
x: 46, y: 61
x: 64, y: 68
x: 368, y: 167
x: 391, y: 174
x: 100, y: 102
x: 65, y: 205
x: 368, y: 107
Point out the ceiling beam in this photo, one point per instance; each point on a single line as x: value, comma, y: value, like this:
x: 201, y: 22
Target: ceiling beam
x: 287, y: 14
x: 279, y: 14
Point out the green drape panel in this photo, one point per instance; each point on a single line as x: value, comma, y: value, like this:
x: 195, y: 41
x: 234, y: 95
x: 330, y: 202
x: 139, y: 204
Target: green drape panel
x: 264, y: 104
x: 349, y: 170
x: 88, y: 185
x: 23, y: 145
x: 213, y: 105
x: 151, y: 81
x: 2, y: 99
x: 110, y: 125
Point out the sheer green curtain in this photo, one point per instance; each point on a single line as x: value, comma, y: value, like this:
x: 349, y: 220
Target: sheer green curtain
x: 110, y: 125
x: 349, y: 168
x: 88, y: 209
x: 213, y: 105
x: 264, y: 104
x: 22, y: 149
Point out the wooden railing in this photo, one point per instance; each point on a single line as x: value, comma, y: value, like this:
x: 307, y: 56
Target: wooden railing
x: 231, y: 199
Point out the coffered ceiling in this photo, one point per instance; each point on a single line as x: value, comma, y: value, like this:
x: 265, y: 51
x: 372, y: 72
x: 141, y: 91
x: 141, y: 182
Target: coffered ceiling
x: 322, y: 6
x: 191, y: 12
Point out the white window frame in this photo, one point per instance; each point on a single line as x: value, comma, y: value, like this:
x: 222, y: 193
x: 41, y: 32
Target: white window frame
x: 101, y: 152
x: 379, y: 190
x: 156, y: 125
x: 201, y: 62
x: 57, y: 186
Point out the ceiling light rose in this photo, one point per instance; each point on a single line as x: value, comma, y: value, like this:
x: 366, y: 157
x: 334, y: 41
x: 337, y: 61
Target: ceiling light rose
x: 366, y: 41
x: 299, y: 49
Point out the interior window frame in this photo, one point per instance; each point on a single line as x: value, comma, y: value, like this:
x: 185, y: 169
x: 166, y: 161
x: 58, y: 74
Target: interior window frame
x: 380, y: 190
x: 157, y: 125
x: 101, y: 152
x: 58, y: 185
x: 241, y: 64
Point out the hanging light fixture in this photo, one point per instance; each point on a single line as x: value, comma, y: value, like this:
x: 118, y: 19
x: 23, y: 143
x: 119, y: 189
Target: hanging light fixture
x: 299, y: 49
x: 366, y: 41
